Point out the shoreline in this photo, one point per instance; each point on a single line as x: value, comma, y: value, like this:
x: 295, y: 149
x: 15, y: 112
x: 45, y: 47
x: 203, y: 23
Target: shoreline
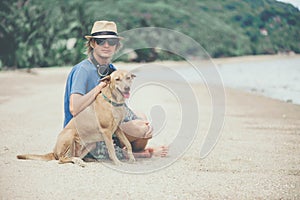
x: 220, y: 63
x: 274, y: 76
x: 217, y: 61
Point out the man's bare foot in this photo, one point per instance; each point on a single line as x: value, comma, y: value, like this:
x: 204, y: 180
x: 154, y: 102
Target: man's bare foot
x: 161, y: 151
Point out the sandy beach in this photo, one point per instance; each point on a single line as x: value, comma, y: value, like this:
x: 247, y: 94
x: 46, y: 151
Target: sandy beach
x: 256, y: 157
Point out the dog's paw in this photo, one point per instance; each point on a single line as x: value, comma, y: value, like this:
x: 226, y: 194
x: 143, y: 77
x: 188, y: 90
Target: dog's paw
x: 79, y: 162
x: 117, y: 162
x: 131, y: 160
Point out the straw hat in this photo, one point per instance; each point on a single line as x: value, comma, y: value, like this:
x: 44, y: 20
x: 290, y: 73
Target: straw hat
x: 104, y: 29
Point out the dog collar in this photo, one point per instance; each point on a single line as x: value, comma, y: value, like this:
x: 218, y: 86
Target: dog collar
x: 112, y: 102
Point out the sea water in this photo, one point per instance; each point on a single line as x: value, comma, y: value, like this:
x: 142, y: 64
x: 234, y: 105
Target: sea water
x: 278, y: 78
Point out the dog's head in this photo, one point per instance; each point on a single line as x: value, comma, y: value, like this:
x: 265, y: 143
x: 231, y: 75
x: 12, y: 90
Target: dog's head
x: 120, y: 82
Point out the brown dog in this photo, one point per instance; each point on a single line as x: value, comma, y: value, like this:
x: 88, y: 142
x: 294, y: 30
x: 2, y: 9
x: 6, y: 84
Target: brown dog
x: 96, y: 123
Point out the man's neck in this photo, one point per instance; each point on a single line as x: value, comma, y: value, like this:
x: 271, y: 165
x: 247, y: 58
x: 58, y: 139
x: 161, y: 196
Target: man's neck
x: 101, y: 60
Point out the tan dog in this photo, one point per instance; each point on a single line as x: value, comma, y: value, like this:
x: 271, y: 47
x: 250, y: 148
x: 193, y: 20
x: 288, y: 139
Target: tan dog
x: 96, y: 123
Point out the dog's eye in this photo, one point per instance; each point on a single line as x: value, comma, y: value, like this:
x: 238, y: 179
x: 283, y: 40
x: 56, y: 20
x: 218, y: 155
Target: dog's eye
x: 117, y: 79
x: 128, y: 78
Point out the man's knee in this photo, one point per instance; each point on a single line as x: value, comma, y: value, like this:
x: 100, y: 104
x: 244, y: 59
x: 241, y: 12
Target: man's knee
x: 139, y: 144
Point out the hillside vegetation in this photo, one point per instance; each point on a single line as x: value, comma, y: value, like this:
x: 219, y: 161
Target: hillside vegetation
x: 48, y: 33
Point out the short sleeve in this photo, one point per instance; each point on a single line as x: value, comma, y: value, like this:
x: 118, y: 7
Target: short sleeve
x: 80, y: 81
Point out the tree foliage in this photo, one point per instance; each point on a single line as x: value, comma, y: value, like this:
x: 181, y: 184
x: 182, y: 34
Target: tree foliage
x: 50, y: 32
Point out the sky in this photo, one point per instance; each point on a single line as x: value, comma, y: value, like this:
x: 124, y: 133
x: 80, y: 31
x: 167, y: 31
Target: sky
x: 295, y: 3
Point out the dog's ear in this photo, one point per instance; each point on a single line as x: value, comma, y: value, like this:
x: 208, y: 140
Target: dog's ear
x: 105, y: 79
x: 133, y: 76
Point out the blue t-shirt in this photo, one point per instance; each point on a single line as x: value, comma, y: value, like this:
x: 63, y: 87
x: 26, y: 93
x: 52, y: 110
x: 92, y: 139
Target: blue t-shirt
x: 82, y: 79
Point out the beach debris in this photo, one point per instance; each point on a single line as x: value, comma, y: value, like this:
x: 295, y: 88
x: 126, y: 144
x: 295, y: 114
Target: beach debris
x: 4, y: 150
x: 283, y: 116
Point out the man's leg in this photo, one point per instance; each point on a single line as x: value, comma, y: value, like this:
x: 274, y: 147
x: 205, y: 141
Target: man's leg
x: 139, y: 144
x: 138, y: 131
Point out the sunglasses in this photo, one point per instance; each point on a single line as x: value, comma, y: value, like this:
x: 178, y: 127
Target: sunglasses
x: 110, y: 41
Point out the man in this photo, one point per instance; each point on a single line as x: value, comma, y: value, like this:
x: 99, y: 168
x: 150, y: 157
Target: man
x: 83, y: 85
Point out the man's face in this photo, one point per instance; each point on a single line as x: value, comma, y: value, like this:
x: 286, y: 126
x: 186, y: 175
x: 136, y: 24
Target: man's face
x: 105, y: 47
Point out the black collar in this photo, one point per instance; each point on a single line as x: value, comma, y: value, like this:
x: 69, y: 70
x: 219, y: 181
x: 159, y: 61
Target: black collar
x: 112, y: 102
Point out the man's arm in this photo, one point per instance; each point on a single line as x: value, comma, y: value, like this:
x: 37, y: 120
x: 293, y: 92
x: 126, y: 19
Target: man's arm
x: 79, y: 102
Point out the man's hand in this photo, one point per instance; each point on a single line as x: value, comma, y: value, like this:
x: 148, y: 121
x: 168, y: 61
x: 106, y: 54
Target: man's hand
x: 106, y: 79
x: 102, y: 84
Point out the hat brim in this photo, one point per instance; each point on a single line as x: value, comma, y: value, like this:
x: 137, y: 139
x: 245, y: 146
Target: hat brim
x: 102, y: 36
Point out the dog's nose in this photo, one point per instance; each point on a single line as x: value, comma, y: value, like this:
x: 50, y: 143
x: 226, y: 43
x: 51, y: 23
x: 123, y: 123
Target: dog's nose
x: 127, y: 88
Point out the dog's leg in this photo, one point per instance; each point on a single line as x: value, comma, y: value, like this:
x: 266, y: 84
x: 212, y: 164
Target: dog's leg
x: 120, y: 134
x: 67, y: 147
x: 86, y: 149
x: 110, y: 147
x: 74, y: 160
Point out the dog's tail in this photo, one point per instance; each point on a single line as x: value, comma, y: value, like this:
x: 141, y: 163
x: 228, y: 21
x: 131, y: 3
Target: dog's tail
x: 46, y: 157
